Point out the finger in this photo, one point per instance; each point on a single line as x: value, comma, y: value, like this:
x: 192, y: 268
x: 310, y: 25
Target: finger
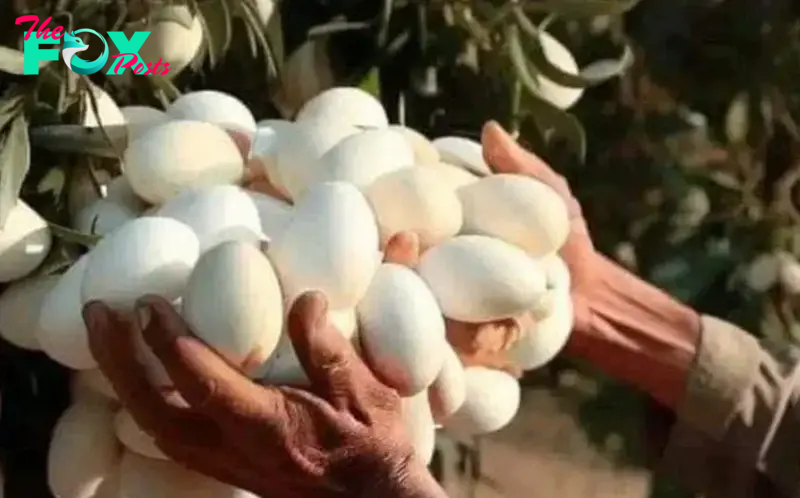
x: 242, y: 141
x: 403, y: 249
x: 505, y: 155
x: 112, y: 342
x: 327, y: 357
x: 486, y: 344
x: 206, y: 381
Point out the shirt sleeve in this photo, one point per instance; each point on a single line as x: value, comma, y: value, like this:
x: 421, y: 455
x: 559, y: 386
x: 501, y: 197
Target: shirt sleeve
x: 737, y: 430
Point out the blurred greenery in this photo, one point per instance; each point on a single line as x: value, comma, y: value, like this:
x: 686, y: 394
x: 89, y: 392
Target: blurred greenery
x: 683, y: 148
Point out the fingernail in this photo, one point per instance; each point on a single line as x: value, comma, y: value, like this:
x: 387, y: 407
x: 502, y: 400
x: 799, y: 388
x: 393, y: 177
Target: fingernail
x: 143, y: 315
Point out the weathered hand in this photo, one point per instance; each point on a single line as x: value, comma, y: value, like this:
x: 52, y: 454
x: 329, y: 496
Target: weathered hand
x: 342, y: 437
x: 477, y: 344
x: 504, y: 155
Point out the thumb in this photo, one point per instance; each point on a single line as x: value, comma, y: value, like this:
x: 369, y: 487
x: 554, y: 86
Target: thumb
x: 327, y: 357
x: 505, y: 155
x: 403, y: 249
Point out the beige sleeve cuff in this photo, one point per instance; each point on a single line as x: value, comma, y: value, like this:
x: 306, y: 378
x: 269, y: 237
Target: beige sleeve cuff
x: 738, y: 429
x: 726, y: 365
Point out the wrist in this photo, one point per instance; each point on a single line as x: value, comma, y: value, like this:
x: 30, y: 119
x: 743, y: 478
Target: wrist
x: 636, y: 333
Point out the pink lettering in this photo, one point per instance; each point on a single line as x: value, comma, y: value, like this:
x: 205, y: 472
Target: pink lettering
x: 127, y: 63
x: 43, y: 31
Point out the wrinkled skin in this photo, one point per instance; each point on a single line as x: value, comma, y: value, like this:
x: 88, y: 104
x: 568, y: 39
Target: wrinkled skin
x: 273, y: 441
x: 343, y: 436
x: 488, y: 344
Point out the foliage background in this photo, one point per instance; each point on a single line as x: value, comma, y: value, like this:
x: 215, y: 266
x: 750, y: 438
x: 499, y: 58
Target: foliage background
x: 675, y: 184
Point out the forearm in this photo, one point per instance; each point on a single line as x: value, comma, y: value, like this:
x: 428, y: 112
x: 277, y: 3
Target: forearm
x: 637, y: 333
x: 737, y: 407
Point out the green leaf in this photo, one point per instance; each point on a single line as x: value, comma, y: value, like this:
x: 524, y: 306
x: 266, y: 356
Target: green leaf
x: 10, y: 107
x: 217, y: 29
x: 552, y: 121
x: 15, y: 160
x: 252, y: 20
x: 73, y: 236
x: 371, y: 83
x: 582, y: 8
x: 11, y: 61
x: 593, y: 74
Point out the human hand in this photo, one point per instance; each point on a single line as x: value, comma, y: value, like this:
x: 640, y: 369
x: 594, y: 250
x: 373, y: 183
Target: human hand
x: 489, y: 344
x: 342, y: 437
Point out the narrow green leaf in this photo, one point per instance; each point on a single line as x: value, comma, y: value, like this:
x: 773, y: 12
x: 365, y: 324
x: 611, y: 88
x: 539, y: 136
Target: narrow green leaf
x: 593, y: 74
x: 12, y: 61
x: 166, y: 86
x: 217, y: 29
x: 552, y: 121
x: 61, y: 256
x: 582, y: 8
x: 371, y: 83
x: 251, y: 18
x: 10, y: 107
x: 73, y: 236
x: 337, y: 27
x: 15, y: 160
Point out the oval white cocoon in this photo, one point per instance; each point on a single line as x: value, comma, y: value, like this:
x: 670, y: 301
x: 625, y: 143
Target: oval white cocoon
x: 134, y: 438
x: 299, y: 151
x: 215, y: 107
x: 142, y: 477
x: 119, y: 191
x: 330, y: 245
x: 418, y: 425
x: 543, y: 339
x: 449, y: 389
x: 424, y: 151
x: 62, y: 332
x: 481, y: 279
x: 463, y: 152
x: 453, y: 176
x: 491, y: 402
x: 170, y: 40
x: 345, y: 106
x: 402, y: 329
x: 180, y: 155
x: 415, y: 200
x: 220, y: 213
x: 102, y: 216
x: 274, y: 214
x: 557, y: 273
x: 83, y: 451
x: 518, y: 209
x: 141, y: 118
x: 93, y: 384
x: 25, y: 240
x: 145, y: 256
x: 362, y: 158
x: 20, y: 307
x: 233, y: 302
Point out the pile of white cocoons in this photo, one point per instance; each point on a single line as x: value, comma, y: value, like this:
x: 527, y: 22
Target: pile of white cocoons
x: 180, y: 223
